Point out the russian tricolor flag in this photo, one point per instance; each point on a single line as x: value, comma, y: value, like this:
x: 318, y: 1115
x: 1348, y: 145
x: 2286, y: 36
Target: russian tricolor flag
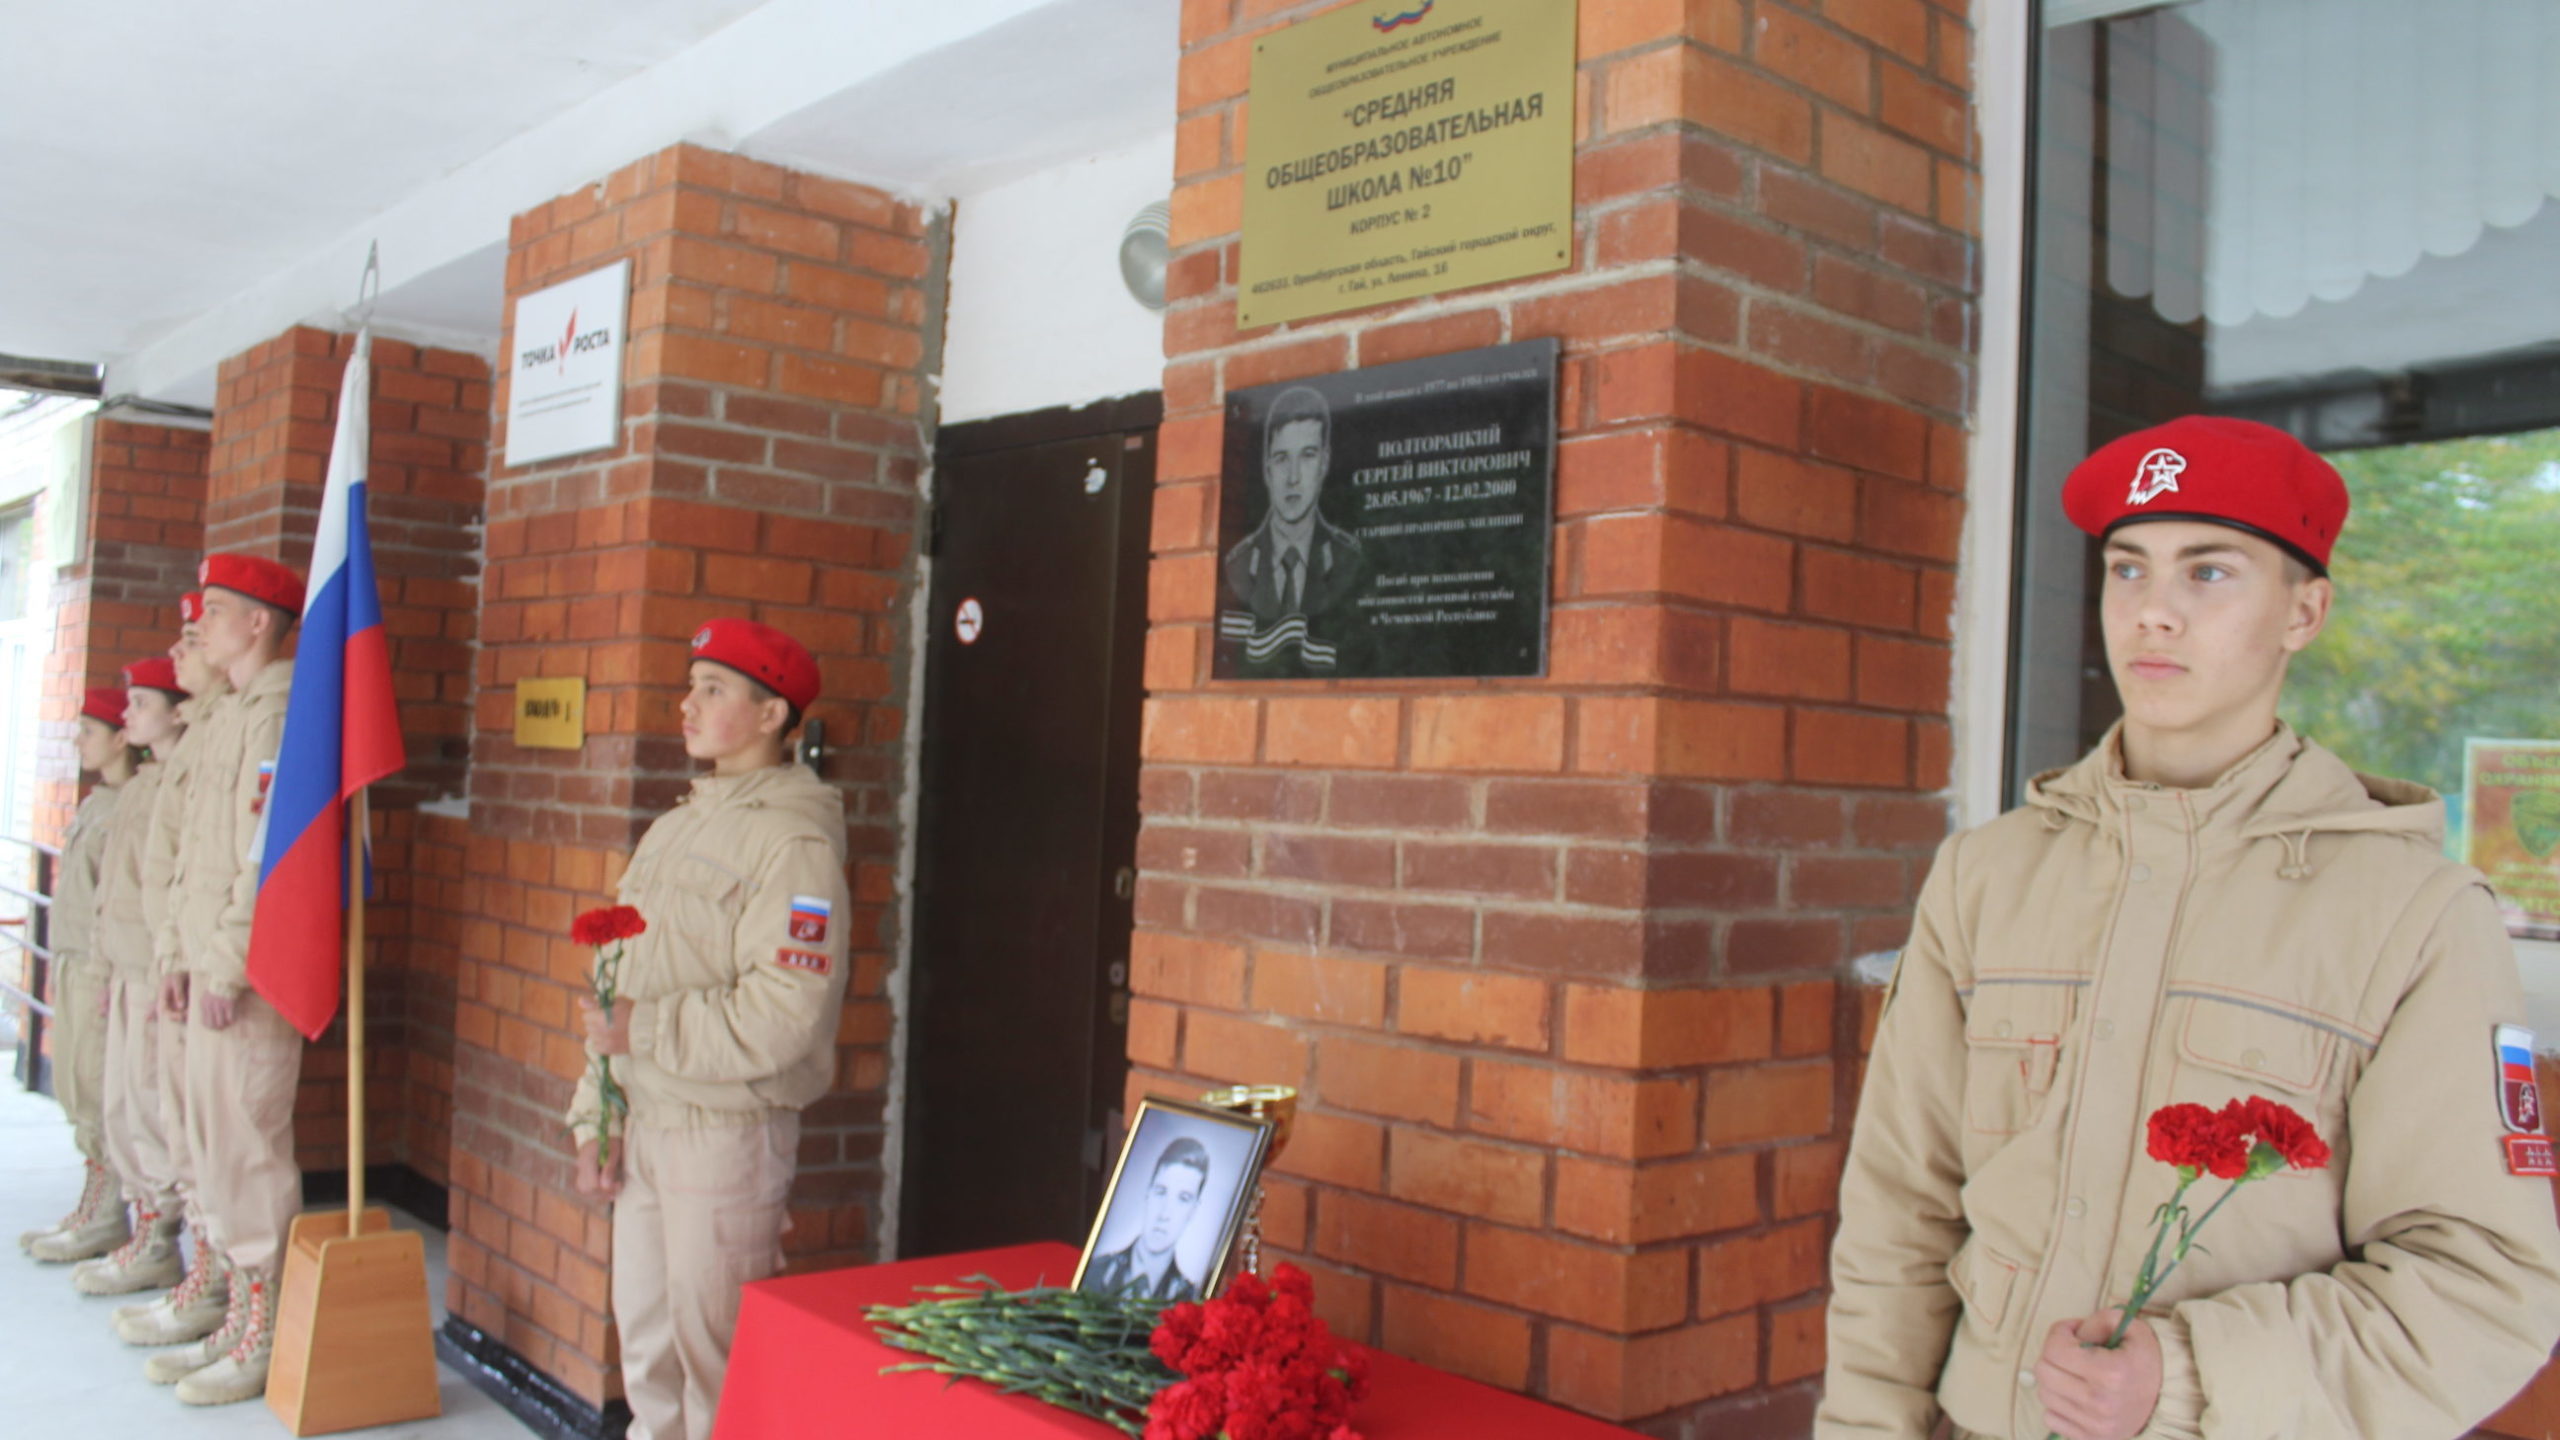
x: 2515, y: 1054
x: 341, y: 733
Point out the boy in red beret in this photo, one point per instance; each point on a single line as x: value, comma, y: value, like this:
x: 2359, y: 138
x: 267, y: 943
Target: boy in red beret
x: 137, y: 1139
x: 243, y: 1059
x: 97, y: 1224
x: 2208, y: 908
x: 726, y: 1027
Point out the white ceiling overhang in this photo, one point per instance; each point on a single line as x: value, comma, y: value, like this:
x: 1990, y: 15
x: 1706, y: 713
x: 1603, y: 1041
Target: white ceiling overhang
x: 194, y: 179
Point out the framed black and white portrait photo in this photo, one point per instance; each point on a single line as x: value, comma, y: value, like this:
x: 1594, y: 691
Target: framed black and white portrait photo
x: 1178, y: 1198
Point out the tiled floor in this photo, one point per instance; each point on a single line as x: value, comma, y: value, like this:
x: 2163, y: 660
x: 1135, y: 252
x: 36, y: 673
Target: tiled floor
x: 64, y: 1373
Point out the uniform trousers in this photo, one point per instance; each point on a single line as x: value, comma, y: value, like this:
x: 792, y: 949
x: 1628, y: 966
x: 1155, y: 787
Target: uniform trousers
x: 80, y: 1053
x: 239, y: 1126
x: 701, y: 1214
x: 141, y: 1146
x: 174, y: 1109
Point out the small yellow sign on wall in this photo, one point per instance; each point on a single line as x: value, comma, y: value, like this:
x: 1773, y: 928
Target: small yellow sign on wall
x: 1406, y: 147
x: 551, y: 714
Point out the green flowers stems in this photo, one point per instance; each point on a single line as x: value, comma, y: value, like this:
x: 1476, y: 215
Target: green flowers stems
x: 609, y: 1096
x: 2151, y: 1277
x: 2148, y: 1280
x: 1074, y: 1349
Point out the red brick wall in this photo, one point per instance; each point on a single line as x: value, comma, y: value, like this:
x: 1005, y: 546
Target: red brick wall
x: 1556, y: 964
x: 275, y: 417
x: 117, y: 601
x: 772, y: 444
x: 274, y: 406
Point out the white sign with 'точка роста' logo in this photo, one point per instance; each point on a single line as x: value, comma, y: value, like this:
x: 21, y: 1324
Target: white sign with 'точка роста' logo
x: 564, y: 367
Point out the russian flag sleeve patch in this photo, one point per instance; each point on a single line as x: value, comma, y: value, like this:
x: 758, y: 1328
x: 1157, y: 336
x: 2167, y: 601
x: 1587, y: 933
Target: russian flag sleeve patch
x: 2519, y: 1096
x: 809, y: 917
x: 2529, y: 1152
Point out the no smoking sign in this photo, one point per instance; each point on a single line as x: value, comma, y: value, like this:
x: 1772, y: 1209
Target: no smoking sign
x: 970, y: 621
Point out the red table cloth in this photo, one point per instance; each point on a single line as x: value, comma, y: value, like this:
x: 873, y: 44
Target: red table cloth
x: 806, y: 1366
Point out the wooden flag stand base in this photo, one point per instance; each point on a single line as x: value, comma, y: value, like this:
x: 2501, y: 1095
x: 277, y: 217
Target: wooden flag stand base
x: 355, y: 1339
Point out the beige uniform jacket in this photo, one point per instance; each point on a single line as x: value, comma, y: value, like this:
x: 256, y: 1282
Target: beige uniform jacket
x: 2291, y: 931
x: 220, y: 827
x: 168, y: 822
x: 740, y: 977
x: 124, y: 902
x: 71, y: 930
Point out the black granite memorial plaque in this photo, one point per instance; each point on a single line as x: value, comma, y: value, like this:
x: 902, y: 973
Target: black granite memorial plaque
x: 1390, y: 522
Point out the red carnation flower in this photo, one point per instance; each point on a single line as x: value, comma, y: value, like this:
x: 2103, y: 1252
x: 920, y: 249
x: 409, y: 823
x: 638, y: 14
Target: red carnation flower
x: 2281, y: 1129
x: 1177, y: 1335
x: 606, y: 924
x: 1290, y: 1282
x: 1228, y: 1335
x: 2192, y: 1137
x: 1185, y: 1410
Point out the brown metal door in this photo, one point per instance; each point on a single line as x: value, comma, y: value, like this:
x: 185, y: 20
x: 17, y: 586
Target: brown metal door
x: 1027, y: 824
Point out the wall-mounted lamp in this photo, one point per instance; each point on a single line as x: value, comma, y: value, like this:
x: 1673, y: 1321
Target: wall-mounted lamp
x: 1145, y: 250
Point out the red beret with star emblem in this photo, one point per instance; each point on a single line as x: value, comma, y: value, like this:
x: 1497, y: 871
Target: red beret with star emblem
x: 762, y: 654
x: 154, y: 672
x: 2218, y: 470
x: 104, y: 704
x: 255, y: 576
x: 191, y: 606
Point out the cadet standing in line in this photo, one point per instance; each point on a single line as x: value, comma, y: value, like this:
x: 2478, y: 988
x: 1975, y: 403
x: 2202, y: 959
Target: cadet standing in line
x: 137, y: 1140
x: 2206, y: 908
x: 728, y: 1027
x: 97, y: 1224
x: 243, y: 1060
x: 195, y: 1309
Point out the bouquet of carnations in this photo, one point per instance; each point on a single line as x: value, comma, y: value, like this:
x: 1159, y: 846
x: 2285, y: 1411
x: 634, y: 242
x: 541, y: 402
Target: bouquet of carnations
x: 2244, y: 1141
x: 1256, y: 1363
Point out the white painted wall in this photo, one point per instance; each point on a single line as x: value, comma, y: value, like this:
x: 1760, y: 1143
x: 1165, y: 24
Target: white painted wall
x: 1038, y: 316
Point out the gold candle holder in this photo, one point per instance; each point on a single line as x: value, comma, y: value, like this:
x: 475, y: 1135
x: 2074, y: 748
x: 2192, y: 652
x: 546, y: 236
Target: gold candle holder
x: 1279, y: 1105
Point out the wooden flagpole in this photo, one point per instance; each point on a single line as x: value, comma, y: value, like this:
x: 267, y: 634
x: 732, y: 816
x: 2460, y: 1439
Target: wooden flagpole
x: 354, y: 1338
x: 359, y: 814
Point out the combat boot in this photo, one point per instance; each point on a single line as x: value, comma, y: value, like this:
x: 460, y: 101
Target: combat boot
x: 148, y: 1261
x: 194, y: 1310
x: 98, y: 1192
x: 94, y: 1228
x: 171, y: 1366
x: 92, y: 1176
x: 241, y: 1374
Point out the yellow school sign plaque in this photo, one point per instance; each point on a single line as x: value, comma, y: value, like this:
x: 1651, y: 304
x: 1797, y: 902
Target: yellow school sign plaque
x: 551, y: 714
x: 1406, y: 147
